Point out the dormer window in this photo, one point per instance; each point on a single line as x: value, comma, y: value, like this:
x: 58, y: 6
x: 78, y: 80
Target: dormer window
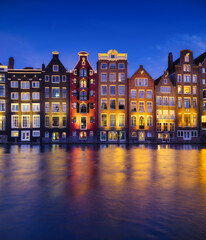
x: 112, y: 56
x: 55, y: 68
x: 187, y: 57
x: 165, y: 81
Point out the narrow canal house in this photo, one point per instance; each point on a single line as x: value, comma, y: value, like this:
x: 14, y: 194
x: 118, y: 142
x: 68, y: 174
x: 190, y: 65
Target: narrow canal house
x: 55, y: 101
x: 165, y: 94
x: 141, y: 107
x: 112, y: 68
x: 186, y: 76
x: 23, y: 107
x: 83, y: 101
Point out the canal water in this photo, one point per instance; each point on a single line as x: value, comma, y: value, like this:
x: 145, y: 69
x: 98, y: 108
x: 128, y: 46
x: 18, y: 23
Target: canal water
x: 102, y: 192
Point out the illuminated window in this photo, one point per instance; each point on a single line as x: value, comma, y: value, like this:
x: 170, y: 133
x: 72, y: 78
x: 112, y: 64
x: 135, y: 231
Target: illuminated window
x: 141, y: 136
x: 187, y: 90
x: 194, y: 102
x: 187, y: 103
x: 203, y: 81
x: 133, y: 121
x: 121, y: 66
x: 64, y: 134
x: 187, y: 67
x: 103, y: 104
x: 187, y: 120
x: 159, y: 101
x: 149, y: 107
x: 194, y: 78
x: 159, y: 127
x: 141, y: 93
x: 112, y: 120
x: 165, y: 114
x: 179, y: 78
x: 25, y: 136
x: 46, y: 107
x: 83, y: 72
x: 25, y: 121
x: 36, y: 121
x: 122, y: 135
x: 14, y: 84
x: 194, y: 90
x: 203, y: 120
x: 179, y: 102
x: 171, y: 101
x: 83, y: 125
x: 83, y: 108
x: 74, y: 105
x: 195, y: 120
x: 2, y: 78
x: 112, y: 90
x: 121, y: 90
x: 35, y: 84
x: 83, y: 135
x: 112, y: 77
x: 121, y: 77
x: 55, y: 136
x: 149, y: 121
x: 55, y: 68
x: 187, y: 57
x: 103, y: 90
x: 149, y: 134
x: 74, y: 119
x: 121, y: 120
x: 141, y: 107
x: 187, y: 78
x: 83, y: 84
x: 112, y: 104
x: 133, y: 106
x: 92, y: 81
x: 179, y: 120
x: 25, y: 85
x: 14, y: 107
x: 103, y: 77
x: 14, y: 133
x: 35, y: 107
x: 47, y: 92
x: 149, y: 93
x: 112, y: 136
x: 134, y: 134
x: 46, y: 78
x: 179, y: 89
x: 55, y: 92
x: 121, y: 104
x: 159, y: 114
x: 103, y: 136
x: 203, y: 70
x: 46, y: 121
x: 55, y: 121
x: 172, y: 114
x: 64, y: 107
x: 2, y: 123
x: 83, y: 96
x: 103, y: 65
x: 165, y: 101
x: 141, y: 122
x: 133, y: 94
x: 64, y: 92
x: 25, y: 107
x: 204, y: 106
x: 35, y: 95
x: 14, y: 95
x: 55, y: 107
x: 2, y: 106
x: 104, y: 120
x: 25, y: 96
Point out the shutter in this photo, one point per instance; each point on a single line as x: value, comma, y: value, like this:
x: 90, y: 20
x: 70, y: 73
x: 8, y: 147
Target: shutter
x: 77, y: 71
x: 77, y: 95
x: 88, y: 72
x: 88, y: 83
x: 77, y: 83
x: 78, y: 107
x: 88, y: 108
x: 87, y: 95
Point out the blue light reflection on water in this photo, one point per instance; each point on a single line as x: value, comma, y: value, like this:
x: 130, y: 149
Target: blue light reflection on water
x: 102, y: 192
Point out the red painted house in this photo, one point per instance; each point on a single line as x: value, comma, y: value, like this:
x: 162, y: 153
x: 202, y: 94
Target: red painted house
x: 83, y: 101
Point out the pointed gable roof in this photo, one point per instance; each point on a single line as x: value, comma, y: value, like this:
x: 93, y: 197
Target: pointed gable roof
x: 55, y: 61
x: 141, y: 70
x: 200, y: 59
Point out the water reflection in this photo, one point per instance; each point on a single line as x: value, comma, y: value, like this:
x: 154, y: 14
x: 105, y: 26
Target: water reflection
x: 108, y: 191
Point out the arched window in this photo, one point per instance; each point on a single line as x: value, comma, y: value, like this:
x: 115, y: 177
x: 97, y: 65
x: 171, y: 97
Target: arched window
x: 141, y: 122
x: 83, y: 84
x: 134, y: 121
x: 83, y: 108
x: 83, y: 95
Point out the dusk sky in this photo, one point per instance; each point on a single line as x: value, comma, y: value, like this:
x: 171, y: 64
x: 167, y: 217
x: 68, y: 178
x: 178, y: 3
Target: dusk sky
x: 146, y: 30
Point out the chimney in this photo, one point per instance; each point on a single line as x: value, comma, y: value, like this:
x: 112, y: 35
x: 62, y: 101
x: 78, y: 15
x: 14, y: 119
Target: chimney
x: 11, y: 63
x: 170, y: 63
x: 55, y: 54
x: 43, y: 67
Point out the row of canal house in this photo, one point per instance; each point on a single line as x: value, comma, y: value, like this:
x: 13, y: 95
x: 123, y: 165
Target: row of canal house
x: 53, y: 104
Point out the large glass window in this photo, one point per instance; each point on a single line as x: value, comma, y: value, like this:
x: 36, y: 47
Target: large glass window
x: 104, y: 120
x: 112, y: 120
x: 2, y: 90
x: 83, y: 96
x: 55, y: 92
x: 103, y: 104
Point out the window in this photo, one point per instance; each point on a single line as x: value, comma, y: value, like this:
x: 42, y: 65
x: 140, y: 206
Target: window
x: 194, y: 78
x: 25, y: 85
x: 35, y: 84
x: 112, y: 120
x: 121, y: 66
x: 165, y: 101
x: 122, y: 136
x: 25, y: 107
x: 14, y: 95
x: 91, y: 93
x: 165, y: 89
x: 165, y: 81
x: 203, y: 70
x: 14, y: 121
x: 14, y: 107
x: 141, y: 93
x: 55, y: 121
x: 47, y: 92
x: 35, y: 95
x: 121, y: 120
x: 141, y: 82
x: 179, y: 89
x: 204, y: 93
x: 55, y: 107
x: 194, y: 102
x: 46, y: 107
x: 104, y: 120
x: 91, y: 119
x: 64, y: 78
x: 194, y: 90
x: 172, y: 114
x: 187, y: 103
x: 204, y: 106
x: 36, y: 133
x: 165, y: 114
x: 25, y: 121
x: 149, y: 107
x: 64, y: 107
x: 103, y: 90
x: 36, y: 121
x: 141, y: 107
x: 64, y: 121
x: 203, y: 81
x: 159, y: 114
x: 187, y: 67
x: 36, y: 107
x: 2, y: 106
x: 103, y: 104
x: 103, y: 77
x: 141, y: 122
x: 159, y: 127
x: 83, y: 108
x: 46, y: 78
x: 179, y: 78
x: 112, y: 77
x: 25, y: 96
x: 121, y: 104
x: 179, y: 120
x: 14, y: 133
x: 91, y: 81
x: 83, y: 123
x: 133, y: 106
x: 83, y: 72
x: 112, y: 90
x: 112, y: 65
x: 83, y: 96
x: 195, y: 120
x: 14, y: 84
x: 187, y: 57
x: 134, y: 134
x: 159, y: 101
x: 74, y: 93
x: 55, y: 79
x: 203, y: 120
x: 2, y: 90
x: 179, y: 102
x: 186, y: 78
x: 55, y: 92
x: 121, y: 90
x: 112, y: 104
x: 121, y: 77
x: 55, y: 68
x: 149, y: 93
x: 187, y: 120
x: 187, y: 90
x: 83, y: 84
x: 171, y: 101
x: 133, y: 121
x: 64, y: 92
x: 165, y: 127
x: 103, y: 136
x: 46, y: 121
x: 149, y: 121
x: 133, y: 94
x: 2, y: 78
x: 103, y: 65
x: 172, y: 127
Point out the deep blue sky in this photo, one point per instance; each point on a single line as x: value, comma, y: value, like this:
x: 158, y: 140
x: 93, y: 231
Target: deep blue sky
x: 146, y: 30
